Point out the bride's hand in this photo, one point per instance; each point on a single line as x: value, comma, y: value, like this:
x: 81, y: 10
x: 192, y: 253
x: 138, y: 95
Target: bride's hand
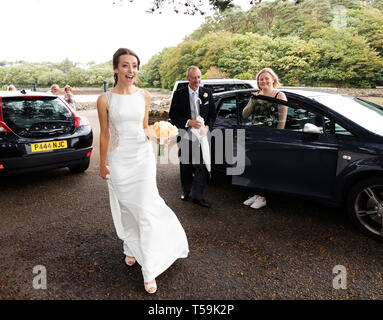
x: 166, y: 141
x: 148, y: 133
x: 104, y: 172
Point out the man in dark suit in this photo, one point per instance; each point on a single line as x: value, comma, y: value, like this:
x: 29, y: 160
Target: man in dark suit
x: 187, y: 103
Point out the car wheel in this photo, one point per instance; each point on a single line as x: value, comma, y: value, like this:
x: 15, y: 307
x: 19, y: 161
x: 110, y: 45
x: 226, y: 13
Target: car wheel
x: 365, y: 207
x: 80, y: 167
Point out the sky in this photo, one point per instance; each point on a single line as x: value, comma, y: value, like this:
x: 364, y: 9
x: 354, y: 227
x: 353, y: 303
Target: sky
x: 88, y: 30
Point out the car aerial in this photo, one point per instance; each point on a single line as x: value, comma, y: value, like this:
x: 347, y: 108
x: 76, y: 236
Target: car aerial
x: 39, y: 131
x: 330, y: 149
x: 219, y: 85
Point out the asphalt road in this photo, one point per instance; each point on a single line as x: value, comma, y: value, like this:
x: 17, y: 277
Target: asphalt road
x: 61, y: 223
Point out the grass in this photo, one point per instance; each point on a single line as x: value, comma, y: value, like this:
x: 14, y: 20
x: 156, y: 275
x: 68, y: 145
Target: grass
x: 377, y: 100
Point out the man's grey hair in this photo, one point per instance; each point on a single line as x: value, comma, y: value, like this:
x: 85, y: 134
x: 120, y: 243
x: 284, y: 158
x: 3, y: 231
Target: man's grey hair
x: 191, y: 67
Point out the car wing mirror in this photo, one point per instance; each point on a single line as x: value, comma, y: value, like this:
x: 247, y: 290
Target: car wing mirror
x: 300, y: 111
x: 311, y: 128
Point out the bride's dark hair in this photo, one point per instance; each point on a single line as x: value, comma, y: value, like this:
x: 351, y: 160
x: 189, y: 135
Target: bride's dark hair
x: 116, y: 60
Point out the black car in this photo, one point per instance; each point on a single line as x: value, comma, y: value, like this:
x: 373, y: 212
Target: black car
x: 219, y: 85
x: 39, y: 131
x: 330, y: 149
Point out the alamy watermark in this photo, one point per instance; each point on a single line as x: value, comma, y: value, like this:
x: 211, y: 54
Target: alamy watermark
x: 229, y: 148
x: 340, y: 17
x: 340, y: 280
x: 40, y: 280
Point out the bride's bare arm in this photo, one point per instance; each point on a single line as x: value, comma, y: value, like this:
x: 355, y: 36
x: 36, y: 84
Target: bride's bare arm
x: 102, y: 109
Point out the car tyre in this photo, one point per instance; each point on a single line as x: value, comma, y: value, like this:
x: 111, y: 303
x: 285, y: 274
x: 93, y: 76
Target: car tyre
x: 80, y: 167
x: 365, y: 206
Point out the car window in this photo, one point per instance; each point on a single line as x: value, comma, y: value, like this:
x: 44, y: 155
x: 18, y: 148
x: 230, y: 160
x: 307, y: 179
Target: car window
x: 24, y: 113
x: 298, y: 117
x: 215, y: 87
x: 238, y: 86
x: 261, y: 113
x: 341, y: 131
x: 332, y: 127
x: 228, y: 109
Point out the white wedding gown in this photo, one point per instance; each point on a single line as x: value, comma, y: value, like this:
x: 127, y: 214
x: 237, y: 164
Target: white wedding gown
x: 148, y: 228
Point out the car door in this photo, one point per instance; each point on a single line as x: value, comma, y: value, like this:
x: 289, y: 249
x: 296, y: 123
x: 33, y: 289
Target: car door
x: 224, y: 126
x: 286, y: 160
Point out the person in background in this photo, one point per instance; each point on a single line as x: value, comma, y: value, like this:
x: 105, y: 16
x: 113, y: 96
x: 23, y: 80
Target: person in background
x: 55, y: 89
x: 268, y: 83
x: 11, y: 87
x: 69, y: 97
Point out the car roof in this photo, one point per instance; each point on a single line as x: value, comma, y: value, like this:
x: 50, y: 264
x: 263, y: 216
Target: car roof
x: 218, y: 80
x: 22, y: 93
x: 308, y: 93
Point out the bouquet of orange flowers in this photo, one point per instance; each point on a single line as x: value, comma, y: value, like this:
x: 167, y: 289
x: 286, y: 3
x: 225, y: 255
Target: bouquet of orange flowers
x: 163, y: 131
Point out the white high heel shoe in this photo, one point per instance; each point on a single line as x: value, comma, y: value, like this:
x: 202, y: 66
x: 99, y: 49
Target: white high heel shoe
x: 130, y: 261
x: 151, y: 287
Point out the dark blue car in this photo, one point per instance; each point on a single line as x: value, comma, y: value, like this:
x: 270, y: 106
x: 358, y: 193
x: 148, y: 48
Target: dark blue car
x: 330, y: 149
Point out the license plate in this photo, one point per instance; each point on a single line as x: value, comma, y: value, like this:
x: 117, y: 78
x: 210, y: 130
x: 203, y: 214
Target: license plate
x: 50, y: 145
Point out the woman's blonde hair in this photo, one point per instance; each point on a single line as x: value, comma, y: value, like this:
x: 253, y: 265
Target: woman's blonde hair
x: 68, y: 87
x: 273, y: 75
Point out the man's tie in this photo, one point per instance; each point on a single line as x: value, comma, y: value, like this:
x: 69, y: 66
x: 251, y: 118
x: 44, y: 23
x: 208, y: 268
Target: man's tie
x: 195, y: 104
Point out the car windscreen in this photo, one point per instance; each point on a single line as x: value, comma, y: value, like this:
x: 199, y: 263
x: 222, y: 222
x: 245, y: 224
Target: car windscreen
x: 367, y: 115
x: 36, y: 113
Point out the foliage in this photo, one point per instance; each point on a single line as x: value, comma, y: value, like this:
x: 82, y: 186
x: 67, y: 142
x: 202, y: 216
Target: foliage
x: 191, y: 7
x: 332, y: 42
x: 368, y: 23
x: 45, y: 74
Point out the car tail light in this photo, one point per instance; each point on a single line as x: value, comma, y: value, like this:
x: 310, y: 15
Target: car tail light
x: 80, y: 121
x: 89, y: 153
x: 1, y: 167
x: 3, y: 126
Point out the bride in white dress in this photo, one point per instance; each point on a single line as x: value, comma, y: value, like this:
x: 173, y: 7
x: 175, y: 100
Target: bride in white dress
x: 149, y: 229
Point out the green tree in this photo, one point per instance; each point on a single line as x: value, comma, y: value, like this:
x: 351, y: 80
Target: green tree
x: 65, y: 65
x: 51, y: 76
x: 77, y: 77
x: 233, y: 62
x: 296, y: 60
x: 347, y: 60
x: 368, y: 22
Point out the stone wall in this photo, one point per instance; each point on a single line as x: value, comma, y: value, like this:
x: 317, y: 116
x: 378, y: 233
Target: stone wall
x: 159, y: 109
x: 361, y: 92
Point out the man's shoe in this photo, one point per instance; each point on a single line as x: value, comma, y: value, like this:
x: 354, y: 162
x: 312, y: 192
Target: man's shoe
x: 185, y: 196
x: 202, y: 203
